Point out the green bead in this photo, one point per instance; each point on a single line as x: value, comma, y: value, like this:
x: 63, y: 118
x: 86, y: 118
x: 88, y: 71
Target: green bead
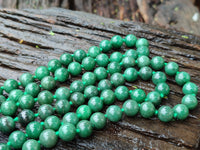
x: 66, y: 59
x: 26, y: 102
x: 26, y: 78
x: 142, y: 42
x: 26, y: 116
x: 102, y: 60
x: 165, y: 113
x: 54, y: 64
x: 114, y: 113
x: 62, y: 107
x: 7, y: 124
x: 84, y: 112
x: 15, y: 95
x: 77, y: 86
x: 17, y: 139
x: 88, y: 63
x: 8, y: 108
x: 2, y: 99
x: 4, y: 147
x: 41, y: 72
x: 147, y: 109
x: 130, y: 107
x: 93, y: 51
x: 48, y: 83
x: 158, y: 77
x: 182, y: 111
x: 143, y: 61
x: 130, y: 40
x: 67, y: 132
x: 48, y: 138
x: 1, y: 90
x: 101, y: 73
x: 143, y: 50
x: 79, y: 55
x: 154, y: 97
x: 105, y: 45
x: 32, y: 89
x: 190, y: 88
x: 138, y: 95
x: 145, y: 73
x: 116, y: 41
x: 77, y: 98
x: 104, y: 84
x: 90, y: 91
x: 171, y: 68
x: 130, y: 74
x: 98, y: 120
x: 131, y: 53
x: 70, y: 117
x: 108, y: 96
x: 10, y: 85
x: 116, y: 57
x: 157, y: 63
x: 128, y: 62
x: 61, y: 74
x: 162, y: 88
x: 62, y: 93
x: 89, y: 78
x: 85, y: 128
x: 33, y: 130
x: 45, y: 110
x: 31, y: 145
x: 190, y: 101
x: 122, y: 93
x: 117, y: 79
x: 95, y: 104
x: 182, y: 78
x: 114, y: 67
x: 45, y: 97
x: 74, y: 68
x: 52, y: 122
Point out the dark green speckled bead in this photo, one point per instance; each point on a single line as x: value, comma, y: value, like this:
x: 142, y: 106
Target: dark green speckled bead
x: 4, y: 146
x: 142, y: 42
x: 114, y: 113
x: 154, y: 97
x: 105, y: 45
x: 70, y: 117
x: 98, y: 120
x: 159, y: 77
x: 95, y: 104
x: 89, y: 78
x: 90, y: 91
x: 122, y: 93
x: 162, y: 88
x: 2, y: 99
x: 48, y: 138
x: 61, y: 74
x: 41, y: 72
x: 83, y: 112
x: 143, y: 50
x: 26, y: 116
x: 182, y: 111
x: 26, y: 102
x: 128, y: 62
x: 130, y: 40
x: 130, y: 107
x: 79, y: 55
x: 138, y: 95
x: 117, y: 79
x: 52, y: 122
x: 10, y: 85
x: 74, y: 68
x: 7, y: 124
x: 33, y: 130
x: 190, y: 101
x: 130, y: 74
x: 88, y: 63
x: 62, y: 107
x: 157, y: 63
x: 48, y: 83
x: 93, y: 51
x: 165, y: 113
x: 108, y: 96
x: 116, y: 41
x: 116, y: 57
x: 104, y: 84
x: 17, y: 139
x: 182, y: 78
x: 66, y: 59
x: 26, y: 78
x: 114, y: 67
x: 85, y: 128
x: 1, y: 90
x: 67, y: 132
x: 33, y: 89
x: 77, y: 98
x: 15, y: 95
x: 31, y: 145
x: 45, y: 97
x: 145, y: 73
x: 77, y: 86
x: 131, y: 53
x: 171, y: 68
x: 101, y: 73
x: 8, y: 108
x: 143, y: 61
x: 147, y: 109
x: 45, y: 110
x: 62, y: 93
x: 190, y: 88
x: 102, y: 60
x: 54, y: 64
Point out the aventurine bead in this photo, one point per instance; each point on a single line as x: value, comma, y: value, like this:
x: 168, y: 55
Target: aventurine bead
x: 7, y: 124
x: 143, y: 61
x: 165, y: 113
x: 114, y: 113
x: 182, y: 111
x: 10, y: 85
x: 26, y: 116
x: 26, y: 102
x: 142, y: 42
x: 54, y: 64
x: 90, y: 91
x: 25, y: 79
x: 52, y: 122
x: 98, y: 120
x: 143, y: 50
x: 70, y: 117
x: 131, y: 53
x: 130, y: 107
x: 66, y: 59
x: 45, y: 110
x: 104, y: 84
x: 77, y: 98
x: 74, y: 68
x: 105, y: 45
x: 190, y: 101
x: 102, y: 60
x: 95, y: 104
x: 130, y: 40
x: 116, y: 57
x: 157, y: 63
x: 93, y: 51
x: 85, y: 128
x: 32, y: 89
x: 182, y: 78
x: 48, y: 138
x: 88, y: 63
x: 48, y: 83
x: 114, y: 67
x: 33, y: 130
x: 117, y: 79
x: 138, y: 95
x: 122, y: 93
x: 8, y: 108
x: 145, y: 73
x: 154, y: 97
x: 31, y: 145
x: 130, y: 74
x: 89, y: 78
x: 77, y: 86
x: 17, y: 139
x: 101, y: 73
x: 4, y: 146
x: 171, y: 68
x: 79, y: 55
x: 41, y: 72
x: 108, y: 96
x: 162, y: 88
x: 190, y: 88
x: 62, y: 107
x: 62, y: 93
x: 147, y: 109
x: 15, y: 95
x: 61, y: 74
x: 128, y: 62
x: 45, y: 97
x: 67, y: 132
x: 83, y: 112
x: 2, y: 99
x: 116, y: 41
x: 159, y: 77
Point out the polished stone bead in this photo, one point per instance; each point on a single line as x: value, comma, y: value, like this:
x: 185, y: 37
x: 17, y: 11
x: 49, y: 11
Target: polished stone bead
x: 25, y: 79
x: 101, y: 73
x: 66, y: 59
x: 142, y: 42
x: 33, y: 130
x: 79, y: 55
x: 61, y: 74
x: 41, y: 72
x: 131, y: 53
x: 154, y: 97
x: 104, y: 84
x: 190, y: 101
x: 122, y: 93
x: 77, y: 86
x: 93, y: 51
x: 182, y: 111
x: 95, y: 104
x: 116, y: 41
x: 114, y: 113
x: 130, y: 74
x: 74, y: 68
x: 32, y: 89
x: 171, y: 68
x: 26, y: 102
x: 88, y: 63
x: 62, y: 93
x: 89, y: 78
x: 48, y: 138
x: 105, y: 45
x: 54, y: 64
x: 52, y: 122
x: 4, y: 146
x: 1, y: 90
x: 102, y: 60
x: 130, y: 107
x: 7, y: 124
x: 15, y: 95
x: 143, y: 50
x: 147, y: 109
x: 117, y: 79
x: 45, y: 110
x: 10, y: 85
x: 67, y: 132
x: 114, y: 67
x: 116, y: 57
x: 143, y: 61
x: 91, y: 91
x: 157, y: 63
x: 17, y: 139
x: 128, y: 62
x: 162, y: 88
x: 182, y: 78
x: 2, y: 99
x: 130, y: 40
x: 31, y: 145
x: 26, y: 116
x: 62, y: 106
x: 48, y: 83
x: 138, y: 95
x: 145, y: 73
x: 83, y: 112
x: 165, y: 113
x: 8, y: 108
x: 98, y: 120
x: 108, y: 96
x: 159, y: 77
x: 77, y: 99
x: 70, y: 117
x: 45, y: 97
x: 190, y: 88
x: 85, y: 128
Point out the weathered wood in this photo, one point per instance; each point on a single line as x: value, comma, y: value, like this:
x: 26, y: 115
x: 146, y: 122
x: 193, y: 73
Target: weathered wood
x: 78, y: 30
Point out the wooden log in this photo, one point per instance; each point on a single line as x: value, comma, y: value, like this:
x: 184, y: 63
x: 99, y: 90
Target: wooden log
x: 26, y: 43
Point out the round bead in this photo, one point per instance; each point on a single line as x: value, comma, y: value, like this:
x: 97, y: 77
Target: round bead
x: 8, y: 108
x: 190, y: 88
x: 182, y: 78
x: 4, y: 147
x: 62, y: 93
x: 182, y: 111
x: 143, y: 61
x: 171, y: 68
x: 2, y: 99
x: 26, y: 116
x: 17, y: 139
x: 25, y: 79
x: 66, y: 59
x: 98, y: 120
x: 122, y: 93
x: 154, y: 97
x: 130, y: 74
x: 61, y: 74
x: 74, y: 68
x: 116, y: 41
x: 101, y: 73
x: 116, y: 57
x: 70, y: 117
x: 142, y: 42
x: 157, y: 63
x: 67, y: 132
x: 7, y: 124
x: 31, y: 145
x: 130, y: 107
x: 95, y: 104
x: 32, y: 89
x: 117, y: 79
x: 77, y: 98
x: 26, y: 102
x: 147, y: 109
x: 89, y: 78
x: 162, y: 88
x: 138, y: 95
x: 54, y: 64
x: 93, y: 51
x: 48, y: 83
x: 33, y: 130
x: 10, y: 85
x: 114, y: 113
x: 128, y: 62
x: 114, y: 67
x: 190, y: 101
x: 83, y: 112
x: 62, y: 107
x: 88, y: 63
x: 85, y: 128
x: 159, y: 77
x: 41, y: 72
x: 15, y: 95
x: 45, y: 97
x: 105, y: 45
x: 143, y: 50
x: 130, y: 40
x: 52, y: 122
x: 77, y: 86
x: 108, y: 96
x: 145, y: 73
x: 90, y: 91
x: 48, y: 138
x: 131, y: 53
x: 104, y: 84
x: 165, y: 113
x: 45, y: 110
x: 102, y: 60
x: 79, y: 55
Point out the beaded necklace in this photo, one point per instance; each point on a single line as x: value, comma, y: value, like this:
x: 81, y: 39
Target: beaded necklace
x: 110, y: 87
